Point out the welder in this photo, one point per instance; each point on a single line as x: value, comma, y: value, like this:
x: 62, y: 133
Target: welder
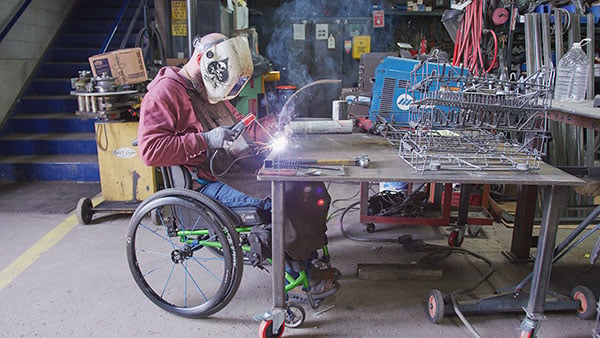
x: 186, y: 118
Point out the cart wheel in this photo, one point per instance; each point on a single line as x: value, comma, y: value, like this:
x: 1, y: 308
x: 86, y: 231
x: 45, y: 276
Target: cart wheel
x: 294, y: 316
x: 455, y: 239
x: 265, y: 330
x: 435, y: 306
x: 587, y: 302
x: 370, y: 228
x: 84, y: 211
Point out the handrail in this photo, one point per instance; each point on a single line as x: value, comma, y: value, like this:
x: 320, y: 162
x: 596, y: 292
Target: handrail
x: 115, y: 25
x: 138, y: 10
x: 14, y: 19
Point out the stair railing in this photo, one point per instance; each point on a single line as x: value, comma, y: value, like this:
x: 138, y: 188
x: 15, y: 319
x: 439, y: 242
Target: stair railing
x: 14, y: 19
x: 115, y: 26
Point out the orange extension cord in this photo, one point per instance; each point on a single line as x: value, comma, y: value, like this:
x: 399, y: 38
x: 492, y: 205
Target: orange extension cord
x: 467, y: 49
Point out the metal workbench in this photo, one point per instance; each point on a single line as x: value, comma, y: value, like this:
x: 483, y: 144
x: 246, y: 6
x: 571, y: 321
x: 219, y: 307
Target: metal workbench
x: 387, y: 166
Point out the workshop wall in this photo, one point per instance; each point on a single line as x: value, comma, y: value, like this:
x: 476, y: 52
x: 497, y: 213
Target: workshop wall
x: 21, y: 49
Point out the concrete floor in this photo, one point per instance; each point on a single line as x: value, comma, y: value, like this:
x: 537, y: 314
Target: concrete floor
x: 81, y: 286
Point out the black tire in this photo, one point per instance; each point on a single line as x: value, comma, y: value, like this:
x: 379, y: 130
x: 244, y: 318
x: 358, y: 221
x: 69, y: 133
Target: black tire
x: 84, y: 211
x: 370, y: 227
x: 180, y: 277
x: 294, y: 316
x: 435, y: 306
x: 222, y: 211
x: 587, y: 302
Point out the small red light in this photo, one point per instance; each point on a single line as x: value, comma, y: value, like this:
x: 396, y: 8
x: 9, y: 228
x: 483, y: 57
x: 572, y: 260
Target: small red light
x: 321, y: 202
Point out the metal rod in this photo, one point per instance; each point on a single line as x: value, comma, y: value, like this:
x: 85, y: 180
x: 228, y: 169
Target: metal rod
x: 545, y: 21
x: 590, y: 34
x: 537, y: 42
x: 558, y: 36
x: 191, y: 23
x: 529, y: 56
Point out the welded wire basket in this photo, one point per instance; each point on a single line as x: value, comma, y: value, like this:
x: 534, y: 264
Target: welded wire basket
x: 461, y: 122
x: 472, y: 150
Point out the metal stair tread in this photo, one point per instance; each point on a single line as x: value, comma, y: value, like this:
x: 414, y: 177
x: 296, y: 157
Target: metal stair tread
x: 49, y: 137
x: 51, y: 158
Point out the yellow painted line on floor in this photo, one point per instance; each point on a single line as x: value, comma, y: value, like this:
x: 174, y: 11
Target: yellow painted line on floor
x: 14, y: 269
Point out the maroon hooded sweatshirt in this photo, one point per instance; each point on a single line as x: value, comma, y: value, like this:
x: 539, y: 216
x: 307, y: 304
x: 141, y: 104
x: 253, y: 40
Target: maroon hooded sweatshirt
x: 173, y: 115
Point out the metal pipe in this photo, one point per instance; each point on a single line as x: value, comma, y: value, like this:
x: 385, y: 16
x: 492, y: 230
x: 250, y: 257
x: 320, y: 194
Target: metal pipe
x: 529, y: 56
x: 590, y: 34
x: 190, y: 24
x: 537, y: 42
x: 574, y: 30
x: 545, y: 21
x: 558, y: 36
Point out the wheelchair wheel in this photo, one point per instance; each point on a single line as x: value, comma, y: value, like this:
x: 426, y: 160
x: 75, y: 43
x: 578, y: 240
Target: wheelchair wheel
x: 170, y: 261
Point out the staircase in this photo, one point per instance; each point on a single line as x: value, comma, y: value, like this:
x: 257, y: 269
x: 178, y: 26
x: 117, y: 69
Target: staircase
x: 43, y: 139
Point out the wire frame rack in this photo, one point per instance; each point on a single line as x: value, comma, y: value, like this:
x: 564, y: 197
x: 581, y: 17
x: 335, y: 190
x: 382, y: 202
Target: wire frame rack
x: 463, y: 122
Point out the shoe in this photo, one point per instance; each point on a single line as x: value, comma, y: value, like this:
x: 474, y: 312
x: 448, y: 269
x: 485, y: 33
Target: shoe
x: 323, y: 274
x: 319, y: 291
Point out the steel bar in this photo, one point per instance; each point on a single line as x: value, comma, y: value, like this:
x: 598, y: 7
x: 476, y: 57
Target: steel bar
x: 558, y: 36
x: 590, y: 34
x: 546, y: 48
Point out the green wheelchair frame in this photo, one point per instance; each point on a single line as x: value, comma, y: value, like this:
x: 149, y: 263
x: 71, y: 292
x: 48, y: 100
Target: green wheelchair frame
x: 165, y: 240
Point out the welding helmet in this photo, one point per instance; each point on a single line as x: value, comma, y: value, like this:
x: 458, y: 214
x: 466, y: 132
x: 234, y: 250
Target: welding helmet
x: 226, y: 67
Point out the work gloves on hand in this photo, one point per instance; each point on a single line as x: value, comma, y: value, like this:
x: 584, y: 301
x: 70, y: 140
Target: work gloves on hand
x: 216, y: 138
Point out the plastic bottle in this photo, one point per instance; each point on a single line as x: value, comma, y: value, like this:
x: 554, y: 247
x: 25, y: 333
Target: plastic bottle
x: 572, y: 74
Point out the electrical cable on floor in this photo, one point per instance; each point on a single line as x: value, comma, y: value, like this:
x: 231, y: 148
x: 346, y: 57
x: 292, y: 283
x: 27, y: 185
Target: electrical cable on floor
x: 435, y: 256
x: 446, y: 252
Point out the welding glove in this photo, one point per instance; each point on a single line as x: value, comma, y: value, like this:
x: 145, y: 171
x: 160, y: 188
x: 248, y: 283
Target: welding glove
x: 216, y: 138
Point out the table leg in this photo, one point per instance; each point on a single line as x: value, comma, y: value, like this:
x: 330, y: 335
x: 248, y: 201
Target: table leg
x: 523, y: 224
x: 278, y: 254
x: 553, y: 198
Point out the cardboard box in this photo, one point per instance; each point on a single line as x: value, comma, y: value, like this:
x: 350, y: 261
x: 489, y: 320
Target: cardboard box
x: 125, y: 65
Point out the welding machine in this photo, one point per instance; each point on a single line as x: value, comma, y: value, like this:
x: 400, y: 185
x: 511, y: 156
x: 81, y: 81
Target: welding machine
x: 395, y: 82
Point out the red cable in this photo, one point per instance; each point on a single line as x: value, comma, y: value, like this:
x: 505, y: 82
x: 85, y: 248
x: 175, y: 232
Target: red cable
x: 495, y: 51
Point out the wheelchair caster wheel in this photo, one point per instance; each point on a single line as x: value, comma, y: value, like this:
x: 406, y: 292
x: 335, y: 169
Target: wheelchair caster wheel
x: 84, y: 211
x: 294, y: 316
x: 587, y: 302
x: 435, y: 306
x: 265, y: 330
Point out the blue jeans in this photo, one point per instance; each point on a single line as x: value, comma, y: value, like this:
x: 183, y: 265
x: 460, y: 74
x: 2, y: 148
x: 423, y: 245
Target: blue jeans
x: 231, y: 197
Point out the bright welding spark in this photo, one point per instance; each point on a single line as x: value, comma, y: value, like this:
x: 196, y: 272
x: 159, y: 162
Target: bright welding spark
x: 279, y: 143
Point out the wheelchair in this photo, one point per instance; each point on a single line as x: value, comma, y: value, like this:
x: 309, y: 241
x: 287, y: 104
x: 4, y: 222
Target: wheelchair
x: 187, y: 251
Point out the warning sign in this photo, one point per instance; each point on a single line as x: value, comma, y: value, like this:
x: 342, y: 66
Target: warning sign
x: 360, y: 44
x: 378, y: 19
x: 178, y: 18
